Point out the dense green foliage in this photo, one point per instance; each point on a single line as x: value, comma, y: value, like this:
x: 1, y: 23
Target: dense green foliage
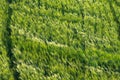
x: 5, y: 72
x: 60, y: 39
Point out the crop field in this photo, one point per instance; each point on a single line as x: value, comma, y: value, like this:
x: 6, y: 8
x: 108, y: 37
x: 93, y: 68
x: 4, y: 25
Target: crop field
x: 59, y: 40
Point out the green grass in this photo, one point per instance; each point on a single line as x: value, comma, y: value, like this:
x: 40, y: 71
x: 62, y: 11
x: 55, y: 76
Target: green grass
x: 5, y: 71
x: 61, y: 40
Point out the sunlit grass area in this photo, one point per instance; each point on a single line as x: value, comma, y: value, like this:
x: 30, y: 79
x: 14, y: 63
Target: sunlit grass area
x: 60, y: 40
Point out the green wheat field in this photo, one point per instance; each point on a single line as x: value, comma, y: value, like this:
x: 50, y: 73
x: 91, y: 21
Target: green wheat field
x: 59, y: 39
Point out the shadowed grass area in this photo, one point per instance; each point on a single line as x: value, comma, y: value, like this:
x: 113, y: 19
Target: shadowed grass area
x: 8, y: 42
x: 5, y: 71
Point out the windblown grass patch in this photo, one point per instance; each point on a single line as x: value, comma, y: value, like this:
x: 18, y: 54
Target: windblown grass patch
x: 64, y: 40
